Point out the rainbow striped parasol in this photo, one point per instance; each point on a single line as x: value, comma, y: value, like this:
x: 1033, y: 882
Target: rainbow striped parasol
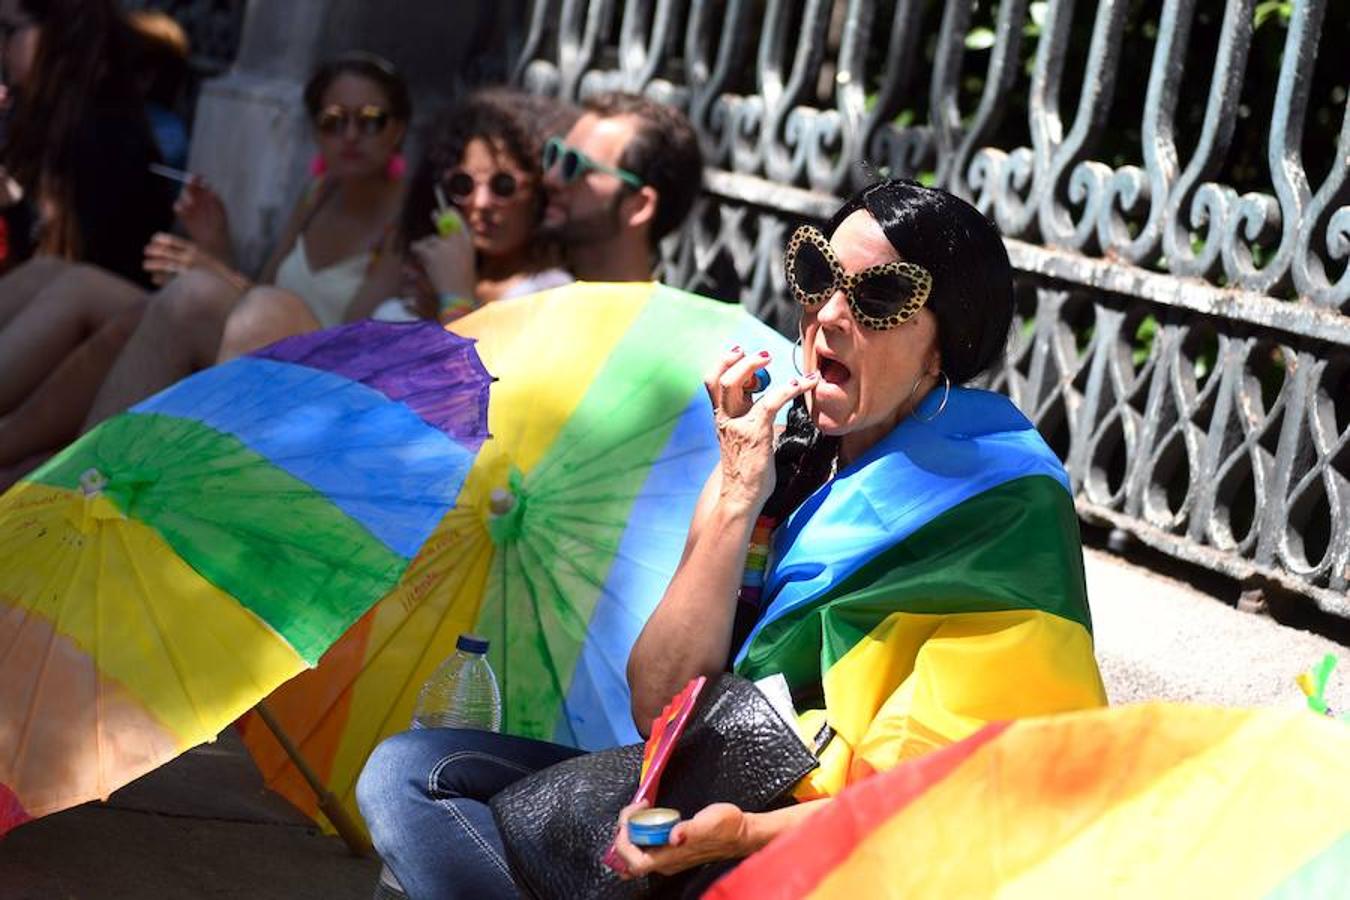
x: 1154, y: 800
x: 176, y: 564
x: 602, y: 438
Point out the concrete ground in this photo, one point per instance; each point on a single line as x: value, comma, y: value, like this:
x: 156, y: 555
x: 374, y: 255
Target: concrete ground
x: 1158, y: 638
x: 201, y: 827
x: 205, y: 827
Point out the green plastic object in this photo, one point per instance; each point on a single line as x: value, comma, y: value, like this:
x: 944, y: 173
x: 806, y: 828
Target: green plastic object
x: 448, y: 223
x: 1314, y: 685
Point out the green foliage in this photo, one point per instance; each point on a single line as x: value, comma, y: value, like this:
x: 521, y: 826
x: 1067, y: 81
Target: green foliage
x: 1082, y: 337
x: 1206, y: 358
x: 1144, y: 336
x: 1277, y: 10
x: 1260, y: 255
x: 1035, y: 19
x: 979, y: 39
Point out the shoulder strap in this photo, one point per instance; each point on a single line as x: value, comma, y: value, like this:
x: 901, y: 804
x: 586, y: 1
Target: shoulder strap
x: 316, y: 195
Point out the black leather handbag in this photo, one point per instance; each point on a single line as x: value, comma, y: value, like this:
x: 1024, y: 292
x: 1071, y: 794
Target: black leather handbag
x: 558, y: 823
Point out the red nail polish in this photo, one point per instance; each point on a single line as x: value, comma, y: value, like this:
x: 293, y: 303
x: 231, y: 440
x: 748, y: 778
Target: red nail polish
x: 735, y: 348
x: 764, y: 353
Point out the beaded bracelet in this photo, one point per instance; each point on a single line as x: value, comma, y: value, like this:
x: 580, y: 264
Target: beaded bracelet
x: 757, y: 560
x: 453, y: 306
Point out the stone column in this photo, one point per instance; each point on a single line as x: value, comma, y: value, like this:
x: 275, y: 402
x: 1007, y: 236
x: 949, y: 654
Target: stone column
x: 251, y: 138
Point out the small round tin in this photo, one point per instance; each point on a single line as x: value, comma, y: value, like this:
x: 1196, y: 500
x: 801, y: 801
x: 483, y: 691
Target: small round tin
x: 651, y: 827
x: 762, y: 381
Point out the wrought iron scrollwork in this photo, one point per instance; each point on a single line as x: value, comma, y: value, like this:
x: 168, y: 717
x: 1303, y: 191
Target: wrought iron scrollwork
x: 1183, y: 335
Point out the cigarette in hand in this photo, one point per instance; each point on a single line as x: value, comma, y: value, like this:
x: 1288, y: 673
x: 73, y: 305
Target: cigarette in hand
x: 171, y: 173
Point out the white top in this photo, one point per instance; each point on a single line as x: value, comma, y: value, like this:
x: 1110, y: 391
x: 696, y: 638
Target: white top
x: 328, y: 291
x: 402, y: 309
x: 540, y: 281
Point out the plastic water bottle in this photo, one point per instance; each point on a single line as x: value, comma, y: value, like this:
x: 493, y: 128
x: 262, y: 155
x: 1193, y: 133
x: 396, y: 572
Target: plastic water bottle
x: 461, y: 693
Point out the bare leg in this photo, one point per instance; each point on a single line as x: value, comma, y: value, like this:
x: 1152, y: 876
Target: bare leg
x: 264, y: 316
x: 9, y: 475
x: 178, y: 335
x: 21, y: 285
x: 77, y: 303
x: 52, y: 415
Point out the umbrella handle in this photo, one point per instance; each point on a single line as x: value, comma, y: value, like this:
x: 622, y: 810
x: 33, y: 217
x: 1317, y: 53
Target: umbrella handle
x: 347, y: 829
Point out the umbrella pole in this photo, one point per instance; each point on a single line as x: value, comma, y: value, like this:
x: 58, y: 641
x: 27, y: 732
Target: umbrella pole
x: 347, y: 829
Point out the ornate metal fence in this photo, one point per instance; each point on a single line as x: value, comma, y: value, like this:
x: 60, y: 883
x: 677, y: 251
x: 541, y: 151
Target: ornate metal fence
x: 1171, y: 180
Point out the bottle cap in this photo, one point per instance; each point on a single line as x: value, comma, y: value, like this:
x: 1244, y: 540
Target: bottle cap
x: 471, y: 643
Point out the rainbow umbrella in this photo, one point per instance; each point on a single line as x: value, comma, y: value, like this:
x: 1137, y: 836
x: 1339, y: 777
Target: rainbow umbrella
x: 176, y: 564
x: 602, y: 439
x: 1154, y: 800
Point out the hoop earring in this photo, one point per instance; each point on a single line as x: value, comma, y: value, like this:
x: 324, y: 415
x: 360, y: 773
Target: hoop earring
x: 946, y: 395
x: 797, y: 345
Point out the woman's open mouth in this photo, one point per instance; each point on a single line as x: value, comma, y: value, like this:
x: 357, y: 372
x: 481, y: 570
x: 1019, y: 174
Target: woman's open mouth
x: 832, y: 371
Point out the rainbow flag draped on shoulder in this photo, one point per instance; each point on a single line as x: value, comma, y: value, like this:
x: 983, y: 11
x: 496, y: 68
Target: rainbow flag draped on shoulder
x: 934, y: 585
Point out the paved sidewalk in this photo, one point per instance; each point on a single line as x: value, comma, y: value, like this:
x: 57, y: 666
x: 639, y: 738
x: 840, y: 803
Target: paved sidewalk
x: 1159, y: 638
x: 204, y: 826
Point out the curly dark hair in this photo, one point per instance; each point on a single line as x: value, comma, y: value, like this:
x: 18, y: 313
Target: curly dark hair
x: 515, y: 122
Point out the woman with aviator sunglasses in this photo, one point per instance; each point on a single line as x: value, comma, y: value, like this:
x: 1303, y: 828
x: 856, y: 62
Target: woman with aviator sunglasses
x: 905, y: 555
x: 329, y: 252
x: 333, y: 262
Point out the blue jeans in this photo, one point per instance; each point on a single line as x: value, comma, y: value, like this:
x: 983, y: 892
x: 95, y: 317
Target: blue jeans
x: 424, y: 797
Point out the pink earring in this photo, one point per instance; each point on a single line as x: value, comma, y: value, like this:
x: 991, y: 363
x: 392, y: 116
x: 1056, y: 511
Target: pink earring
x: 397, y: 168
x: 318, y: 166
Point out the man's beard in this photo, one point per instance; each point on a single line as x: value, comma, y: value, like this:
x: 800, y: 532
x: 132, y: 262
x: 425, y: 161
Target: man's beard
x: 598, y: 226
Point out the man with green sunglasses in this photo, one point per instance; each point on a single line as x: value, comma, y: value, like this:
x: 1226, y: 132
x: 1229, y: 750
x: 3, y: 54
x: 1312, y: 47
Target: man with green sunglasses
x: 621, y: 179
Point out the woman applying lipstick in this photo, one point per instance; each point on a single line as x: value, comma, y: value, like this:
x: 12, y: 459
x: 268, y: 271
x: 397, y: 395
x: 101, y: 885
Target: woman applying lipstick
x: 924, y: 571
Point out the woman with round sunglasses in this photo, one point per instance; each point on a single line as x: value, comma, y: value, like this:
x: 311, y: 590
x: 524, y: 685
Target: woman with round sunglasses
x: 905, y: 555
x: 474, y: 205
x: 333, y: 261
